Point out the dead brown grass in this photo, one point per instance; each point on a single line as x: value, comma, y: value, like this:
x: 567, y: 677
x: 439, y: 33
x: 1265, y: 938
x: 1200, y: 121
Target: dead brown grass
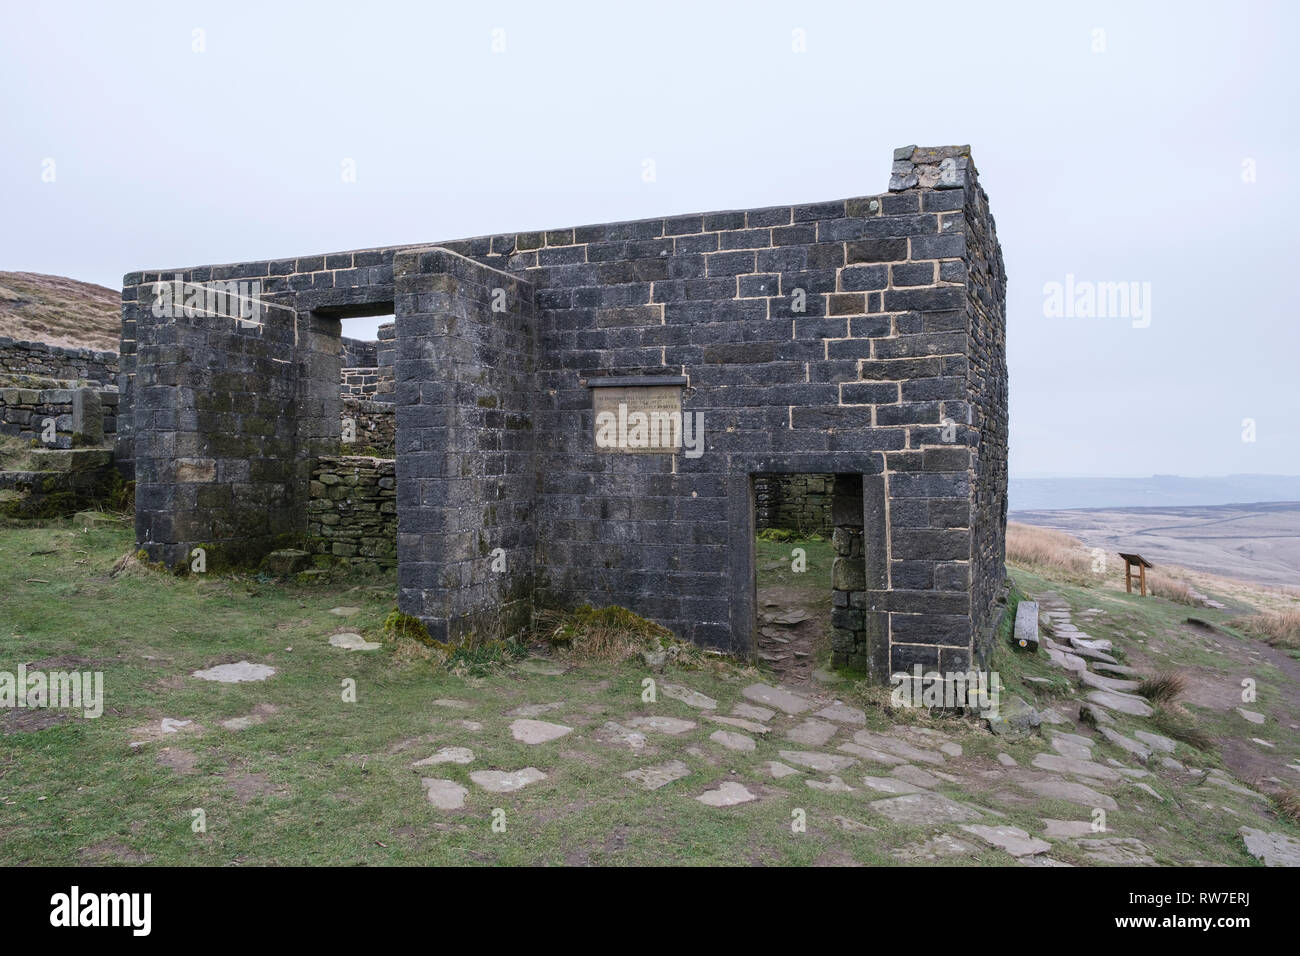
x: 1175, y: 721
x: 1170, y: 588
x: 1048, y: 550
x: 59, y: 311
x: 604, y: 634
x: 1288, y: 804
x: 1280, y: 629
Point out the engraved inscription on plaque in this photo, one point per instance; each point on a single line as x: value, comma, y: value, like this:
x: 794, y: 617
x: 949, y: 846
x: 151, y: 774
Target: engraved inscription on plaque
x: 638, y: 420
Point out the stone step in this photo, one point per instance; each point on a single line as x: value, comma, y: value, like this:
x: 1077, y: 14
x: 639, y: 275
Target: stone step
x: 70, y: 459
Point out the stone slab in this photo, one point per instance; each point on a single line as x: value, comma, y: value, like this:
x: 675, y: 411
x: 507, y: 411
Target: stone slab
x: 444, y: 794
x: 779, y: 698
x: 238, y: 673
x: 1011, y: 839
x: 727, y: 794
x: 822, y: 763
x: 659, y: 775
x: 503, y: 781
x: 537, y: 731
x: 924, y: 809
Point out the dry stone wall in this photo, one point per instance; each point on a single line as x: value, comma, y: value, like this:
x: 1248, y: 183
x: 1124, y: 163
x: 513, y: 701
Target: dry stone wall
x: 56, y: 362
x: 79, y: 416
x: 352, y: 510
x: 371, y: 424
x: 798, y: 503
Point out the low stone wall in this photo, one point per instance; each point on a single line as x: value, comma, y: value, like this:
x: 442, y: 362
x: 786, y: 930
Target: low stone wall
x: 352, y: 510
x: 367, y: 381
x: 358, y: 353
x: 61, y: 482
x: 373, y: 424
x: 54, y: 361
x: 799, y: 503
x: 24, y: 412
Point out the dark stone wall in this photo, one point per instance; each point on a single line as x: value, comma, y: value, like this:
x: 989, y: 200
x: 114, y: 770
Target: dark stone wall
x: 465, y: 466
x: 851, y: 337
x: 799, y: 503
x: 357, y: 353
x: 374, y: 424
x: 23, y: 412
x: 386, y: 355
x: 352, y: 511
x: 365, y: 382
x: 217, y: 412
x: 53, y: 361
x: 986, y: 292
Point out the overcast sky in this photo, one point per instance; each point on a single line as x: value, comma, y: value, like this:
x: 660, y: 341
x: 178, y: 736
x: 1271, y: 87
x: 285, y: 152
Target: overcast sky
x: 1128, y: 142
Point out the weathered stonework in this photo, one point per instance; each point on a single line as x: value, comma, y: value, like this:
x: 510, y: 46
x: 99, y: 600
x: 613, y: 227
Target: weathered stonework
x: 372, y: 424
x: 860, y: 337
x: 800, y: 503
x: 352, y: 510
x: 63, y: 481
x: 24, y: 411
x: 54, y: 361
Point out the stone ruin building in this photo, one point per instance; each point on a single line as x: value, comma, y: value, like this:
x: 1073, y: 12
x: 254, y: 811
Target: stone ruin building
x: 850, y: 351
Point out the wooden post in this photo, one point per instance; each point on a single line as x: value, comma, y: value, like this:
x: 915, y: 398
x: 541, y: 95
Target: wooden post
x: 1132, y: 561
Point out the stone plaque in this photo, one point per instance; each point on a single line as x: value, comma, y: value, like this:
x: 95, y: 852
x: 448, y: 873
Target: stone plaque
x: 638, y: 419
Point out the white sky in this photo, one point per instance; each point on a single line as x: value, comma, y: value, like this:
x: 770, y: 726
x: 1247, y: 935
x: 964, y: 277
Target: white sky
x: 1122, y: 165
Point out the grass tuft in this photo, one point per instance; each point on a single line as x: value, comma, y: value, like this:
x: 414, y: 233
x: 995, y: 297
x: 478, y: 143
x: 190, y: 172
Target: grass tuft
x: 1288, y: 804
x: 1163, y: 688
x: 609, y: 633
x: 1171, y: 589
x: 1177, y: 723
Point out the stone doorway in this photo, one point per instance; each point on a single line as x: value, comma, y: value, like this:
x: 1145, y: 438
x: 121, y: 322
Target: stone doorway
x: 808, y: 567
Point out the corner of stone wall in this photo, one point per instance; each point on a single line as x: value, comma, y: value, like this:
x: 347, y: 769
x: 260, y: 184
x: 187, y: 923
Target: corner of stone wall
x: 974, y: 438
x: 952, y: 168
x: 463, y: 386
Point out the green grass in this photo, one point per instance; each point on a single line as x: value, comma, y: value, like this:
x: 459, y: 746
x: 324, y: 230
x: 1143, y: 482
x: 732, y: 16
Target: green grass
x: 341, y: 789
x: 775, y: 563
x: 333, y: 779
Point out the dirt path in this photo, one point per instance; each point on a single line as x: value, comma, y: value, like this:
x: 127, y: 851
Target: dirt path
x: 789, y: 625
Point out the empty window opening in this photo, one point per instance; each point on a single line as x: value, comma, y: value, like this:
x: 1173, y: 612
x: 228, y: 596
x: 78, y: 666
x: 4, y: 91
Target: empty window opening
x: 366, y: 348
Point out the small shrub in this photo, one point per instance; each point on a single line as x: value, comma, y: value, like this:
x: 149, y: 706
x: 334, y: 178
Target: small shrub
x: 121, y: 495
x: 480, y: 659
x: 779, y: 535
x: 1163, y: 688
